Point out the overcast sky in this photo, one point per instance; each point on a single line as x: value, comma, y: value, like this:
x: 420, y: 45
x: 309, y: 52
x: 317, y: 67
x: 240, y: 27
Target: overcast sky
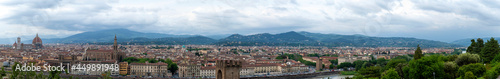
x: 441, y: 20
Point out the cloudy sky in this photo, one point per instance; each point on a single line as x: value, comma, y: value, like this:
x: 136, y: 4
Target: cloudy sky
x: 441, y: 20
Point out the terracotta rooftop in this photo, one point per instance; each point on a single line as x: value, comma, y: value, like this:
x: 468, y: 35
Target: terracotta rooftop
x: 155, y: 64
x: 208, y: 68
x: 99, y: 50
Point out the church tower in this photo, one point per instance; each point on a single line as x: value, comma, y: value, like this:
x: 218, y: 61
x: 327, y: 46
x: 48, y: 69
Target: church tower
x: 115, y: 46
x: 117, y: 55
x: 18, y: 46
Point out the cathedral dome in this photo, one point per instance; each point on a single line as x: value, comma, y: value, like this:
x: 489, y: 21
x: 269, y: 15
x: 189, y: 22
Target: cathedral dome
x: 37, y: 40
x: 15, y: 44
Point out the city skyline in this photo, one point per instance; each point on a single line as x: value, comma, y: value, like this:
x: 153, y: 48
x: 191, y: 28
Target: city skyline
x: 399, y: 18
x: 250, y: 39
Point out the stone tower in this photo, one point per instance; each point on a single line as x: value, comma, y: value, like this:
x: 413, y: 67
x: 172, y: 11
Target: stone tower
x: 118, y: 55
x: 18, y: 46
x: 228, y: 69
x: 115, y: 45
x: 319, y: 64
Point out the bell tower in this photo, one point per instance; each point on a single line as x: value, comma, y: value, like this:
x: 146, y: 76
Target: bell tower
x: 115, y: 46
x: 117, y: 55
x: 18, y: 43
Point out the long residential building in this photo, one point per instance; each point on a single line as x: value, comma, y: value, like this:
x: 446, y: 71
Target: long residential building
x: 159, y: 69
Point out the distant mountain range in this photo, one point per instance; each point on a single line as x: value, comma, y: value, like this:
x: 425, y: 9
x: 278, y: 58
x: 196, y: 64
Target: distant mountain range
x: 108, y: 35
x: 466, y: 42
x: 291, y: 38
x: 316, y: 39
x: 367, y: 41
x: 283, y: 39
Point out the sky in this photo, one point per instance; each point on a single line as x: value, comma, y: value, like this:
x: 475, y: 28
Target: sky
x: 440, y: 20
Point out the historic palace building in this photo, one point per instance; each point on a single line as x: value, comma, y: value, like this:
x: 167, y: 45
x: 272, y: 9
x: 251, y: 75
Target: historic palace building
x: 159, y: 69
x: 105, y: 55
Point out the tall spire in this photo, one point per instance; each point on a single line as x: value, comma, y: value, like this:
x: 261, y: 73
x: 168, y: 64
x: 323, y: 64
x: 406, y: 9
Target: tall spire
x: 115, y: 46
x: 36, y: 34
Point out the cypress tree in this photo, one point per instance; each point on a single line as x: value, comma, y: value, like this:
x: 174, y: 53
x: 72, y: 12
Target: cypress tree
x: 470, y: 49
x: 479, y: 46
x: 490, y: 50
x: 418, y: 53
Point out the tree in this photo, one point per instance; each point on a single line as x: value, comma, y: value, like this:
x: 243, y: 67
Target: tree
x: 469, y: 75
x: 393, y: 63
x: 169, y: 61
x: 322, y: 66
x: 391, y: 74
x: 372, y: 57
x: 476, y: 68
x: 366, y: 64
x: 467, y: 58
x: 161, y: 60
x: 197, y: 54
x: 490, y: 50
x: 153, y: 61
x: 345, y: 65
x: 358, y: 64
x: 470, y: 49
x: 40, y: 76
x: 313, y: 55
x: 492, y: 73
x: 107, y: 75
x: 381, y: 61
x: 456, y: 52
x: 173, y: 68
x: 334, y: 61
x: 54, y: 74
x: 2, y: 73
x: 450, y: 68
x: 451, y: 57
x: 405, y: 57
x: 331, y: 66
x: 372, y: 71
x: 279, y: 57
x: 418, y: 53
x: 496, y: 59
x: 131, y: 59
x: 15, y: 72
x: 399, y: 69
x: 425, y: 68
x: 479, y: 46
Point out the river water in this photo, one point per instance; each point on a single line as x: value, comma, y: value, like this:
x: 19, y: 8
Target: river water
x: 332, y: 76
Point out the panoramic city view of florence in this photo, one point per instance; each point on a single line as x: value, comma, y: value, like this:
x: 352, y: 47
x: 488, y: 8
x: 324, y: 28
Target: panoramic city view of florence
x: 249, y: 39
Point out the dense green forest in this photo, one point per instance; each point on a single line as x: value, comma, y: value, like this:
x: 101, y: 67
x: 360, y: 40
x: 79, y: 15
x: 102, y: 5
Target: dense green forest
x: 482, y: 61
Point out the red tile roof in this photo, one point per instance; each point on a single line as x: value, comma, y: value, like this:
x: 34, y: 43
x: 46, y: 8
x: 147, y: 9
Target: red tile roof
x: 156, y: 64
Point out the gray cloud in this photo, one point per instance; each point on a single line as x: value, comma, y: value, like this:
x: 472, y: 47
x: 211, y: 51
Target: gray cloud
x: 428, y: 19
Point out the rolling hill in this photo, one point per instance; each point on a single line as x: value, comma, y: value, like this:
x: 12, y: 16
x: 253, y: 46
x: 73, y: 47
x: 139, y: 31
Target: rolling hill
x: 264, y: 39
x: 283, y: 39
x: 107, y: 36
x: 367, y: 41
